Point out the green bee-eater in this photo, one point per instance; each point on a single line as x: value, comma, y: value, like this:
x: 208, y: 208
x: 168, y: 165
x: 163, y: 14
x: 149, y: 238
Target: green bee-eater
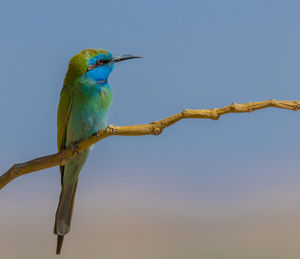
x: 82, y: 111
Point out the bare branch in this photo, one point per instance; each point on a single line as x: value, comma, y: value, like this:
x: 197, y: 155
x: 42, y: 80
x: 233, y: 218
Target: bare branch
x: 153, y: 128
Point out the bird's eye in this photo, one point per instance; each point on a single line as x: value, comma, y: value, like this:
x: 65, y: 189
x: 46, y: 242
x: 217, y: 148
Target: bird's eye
x: 99, y: 62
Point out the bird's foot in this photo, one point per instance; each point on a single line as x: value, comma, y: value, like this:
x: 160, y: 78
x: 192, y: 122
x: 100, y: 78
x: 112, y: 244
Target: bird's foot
x: 75, y: 148
x: 111, y: 129
x: 99, y: 133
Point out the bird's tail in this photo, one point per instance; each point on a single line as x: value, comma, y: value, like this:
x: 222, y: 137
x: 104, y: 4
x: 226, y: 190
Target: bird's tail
x: 64, y: 211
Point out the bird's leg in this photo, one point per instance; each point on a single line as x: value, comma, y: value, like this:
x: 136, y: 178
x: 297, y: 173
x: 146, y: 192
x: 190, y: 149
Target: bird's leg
x: 75, y: 148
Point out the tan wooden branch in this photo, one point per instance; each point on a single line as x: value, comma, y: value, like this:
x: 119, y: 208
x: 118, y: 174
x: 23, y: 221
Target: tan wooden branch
x: 153, y: 128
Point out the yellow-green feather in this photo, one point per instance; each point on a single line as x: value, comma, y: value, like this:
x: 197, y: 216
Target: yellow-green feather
x: 63, y: 114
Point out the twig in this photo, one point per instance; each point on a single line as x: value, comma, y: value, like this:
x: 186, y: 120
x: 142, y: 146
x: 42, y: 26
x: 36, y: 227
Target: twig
x: 153, y: 128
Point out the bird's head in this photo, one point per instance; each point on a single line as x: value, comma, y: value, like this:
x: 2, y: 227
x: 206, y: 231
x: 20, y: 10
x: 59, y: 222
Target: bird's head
x: 95, y: 64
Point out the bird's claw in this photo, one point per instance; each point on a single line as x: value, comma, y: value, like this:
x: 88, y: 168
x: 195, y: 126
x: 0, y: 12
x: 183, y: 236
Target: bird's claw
x: 111, y: 129
x: 99, y: 132
x: 75, y: 148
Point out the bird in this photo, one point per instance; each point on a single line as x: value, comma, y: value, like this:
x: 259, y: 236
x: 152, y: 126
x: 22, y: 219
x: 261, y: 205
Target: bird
x: 82, y: 111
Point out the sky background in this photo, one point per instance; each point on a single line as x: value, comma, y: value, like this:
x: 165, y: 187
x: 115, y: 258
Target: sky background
x: 202, y: 189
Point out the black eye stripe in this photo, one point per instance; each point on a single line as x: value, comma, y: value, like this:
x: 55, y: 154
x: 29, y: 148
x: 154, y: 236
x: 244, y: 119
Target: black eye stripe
x: 98, y: 63
x: 102, y: 62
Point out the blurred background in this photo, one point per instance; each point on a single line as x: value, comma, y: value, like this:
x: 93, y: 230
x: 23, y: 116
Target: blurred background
x: 202, y: 189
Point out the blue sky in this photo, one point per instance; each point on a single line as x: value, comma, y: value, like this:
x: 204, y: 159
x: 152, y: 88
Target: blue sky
x: 197, y: 54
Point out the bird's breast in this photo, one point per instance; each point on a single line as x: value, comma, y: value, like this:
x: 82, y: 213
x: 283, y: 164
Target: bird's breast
x: 88, y: 113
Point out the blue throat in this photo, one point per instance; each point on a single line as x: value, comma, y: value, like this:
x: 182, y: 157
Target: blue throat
x: 100, y: 74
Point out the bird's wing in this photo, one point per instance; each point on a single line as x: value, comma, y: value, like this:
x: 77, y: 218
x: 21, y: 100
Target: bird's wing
x: 63, y: 115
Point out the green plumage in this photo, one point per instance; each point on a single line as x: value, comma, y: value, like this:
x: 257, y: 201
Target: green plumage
x: 84, y: 101
x: 82, y: 111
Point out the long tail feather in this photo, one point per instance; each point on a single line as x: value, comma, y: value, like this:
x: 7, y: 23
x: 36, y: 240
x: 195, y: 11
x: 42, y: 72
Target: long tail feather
x: 64, y: 212
x: 60, y: 240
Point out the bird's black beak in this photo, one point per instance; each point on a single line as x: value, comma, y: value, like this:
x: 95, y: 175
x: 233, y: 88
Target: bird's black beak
x: 120, y: 58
